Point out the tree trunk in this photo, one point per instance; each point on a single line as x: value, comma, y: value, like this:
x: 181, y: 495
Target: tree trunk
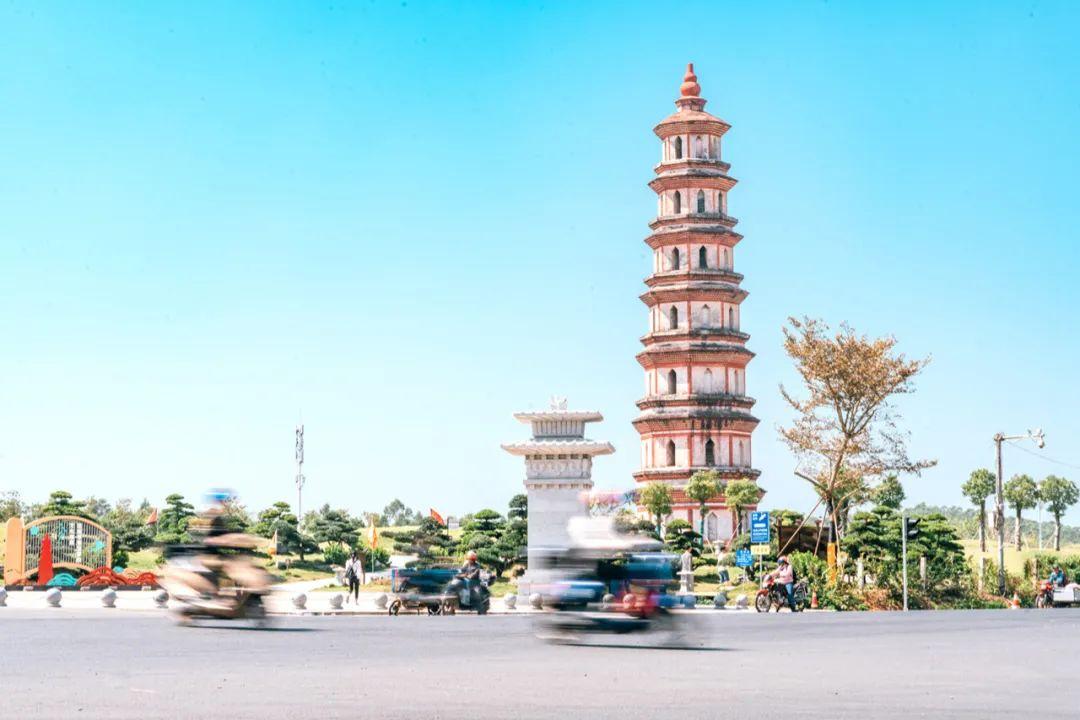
x: 702, y: 525
x: 1019, y: 536
x: 735, y: 524
x: 1057, y: 533
x: 982, y: 526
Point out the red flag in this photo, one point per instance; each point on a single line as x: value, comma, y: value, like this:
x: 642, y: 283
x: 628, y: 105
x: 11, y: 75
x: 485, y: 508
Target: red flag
x: 45, y: 568
x: 437, y: 517
x: 152, y: 519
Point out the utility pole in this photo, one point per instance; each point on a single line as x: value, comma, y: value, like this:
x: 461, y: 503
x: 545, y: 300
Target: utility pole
x: 1036, y: 437
x: 300, y: 483
x: 903, y: 545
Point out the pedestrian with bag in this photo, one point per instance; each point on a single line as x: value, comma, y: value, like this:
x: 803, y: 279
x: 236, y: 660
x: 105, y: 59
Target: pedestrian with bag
x: 354, y: 573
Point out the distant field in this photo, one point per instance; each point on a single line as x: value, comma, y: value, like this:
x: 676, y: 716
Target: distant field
x: 1014, y: 561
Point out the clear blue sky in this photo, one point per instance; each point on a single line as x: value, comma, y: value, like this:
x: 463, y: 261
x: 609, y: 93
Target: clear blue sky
x: 408, y: 220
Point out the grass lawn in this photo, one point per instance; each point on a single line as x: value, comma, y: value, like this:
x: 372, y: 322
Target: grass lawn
x: 1014, y: 561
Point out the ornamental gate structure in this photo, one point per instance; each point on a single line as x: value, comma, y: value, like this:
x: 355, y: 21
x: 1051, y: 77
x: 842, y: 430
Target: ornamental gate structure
x: 77, y: 543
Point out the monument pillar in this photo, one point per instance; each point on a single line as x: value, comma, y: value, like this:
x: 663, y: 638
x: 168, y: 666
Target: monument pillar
x: 558, y: 475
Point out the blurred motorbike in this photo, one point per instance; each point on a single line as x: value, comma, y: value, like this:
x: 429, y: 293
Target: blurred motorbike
x: 606, y: 582
x: 216, y: 579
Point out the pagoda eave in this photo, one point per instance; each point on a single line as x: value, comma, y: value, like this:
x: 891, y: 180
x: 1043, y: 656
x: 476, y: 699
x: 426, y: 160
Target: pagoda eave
x: 559, y: 447
x: 694, y: 291
x: 677, y: 474
x: 694, y: 274
x: 690, y: 163
x: 659, y: 356
x: 715, y: 334
x: 738, y: 403
x: 690, y: 123
x: 698, y: 181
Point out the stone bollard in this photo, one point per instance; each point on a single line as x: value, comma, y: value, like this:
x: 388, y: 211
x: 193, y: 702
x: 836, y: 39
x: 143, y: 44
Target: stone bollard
x: 3, y: 597
x: 742, y: 602
x: 510, y: 601
x: 299, y: 601
x: 381, y: 600
x: 53, y: 597
x: 720, y: 601
x: 336, y: 600
x: 108, y: 598
x: 536, y: 600
x: 161, y: 599
x: 607, y: 600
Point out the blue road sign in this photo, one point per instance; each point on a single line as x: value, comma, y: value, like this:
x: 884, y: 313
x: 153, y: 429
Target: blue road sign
x: 759, y: 527
x: 743, y: 558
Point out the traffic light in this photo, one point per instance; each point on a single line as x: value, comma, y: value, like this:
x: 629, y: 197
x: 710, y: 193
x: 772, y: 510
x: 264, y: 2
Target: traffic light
x: 911, y: 527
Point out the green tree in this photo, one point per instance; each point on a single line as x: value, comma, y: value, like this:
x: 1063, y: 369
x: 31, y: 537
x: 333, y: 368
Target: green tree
x: 397, y: 514
x: 890, y: 492
x: 60, y: 502
x: 1021, y: 493
x: 174, y: 519
x: 130, y: 533
x: 279, y: 519
x: 1059, y: 495
x: 656, y: 499
x: 702, y: 487
x: 739, y: 495
x: 679, y: 536
x: 497, y: 542
x: 875, y: 538
x: 429, y: 542
x: 979, y: 486
x: 11, y: 505
x: 327, y: 525
x: 519, y: 507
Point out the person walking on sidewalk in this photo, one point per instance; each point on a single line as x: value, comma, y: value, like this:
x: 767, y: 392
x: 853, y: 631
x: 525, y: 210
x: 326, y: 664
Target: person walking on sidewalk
x: 354, y: 574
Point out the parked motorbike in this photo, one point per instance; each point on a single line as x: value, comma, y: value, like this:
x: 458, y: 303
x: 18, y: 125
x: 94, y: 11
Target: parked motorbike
x: 1045, y: 598
x: 772, y: 595
x: 215, y: 580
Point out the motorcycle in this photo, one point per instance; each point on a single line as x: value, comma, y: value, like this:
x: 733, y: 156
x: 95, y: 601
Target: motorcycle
x: 608, y: 583
x: 460, y: 596
x: 215, y: 580
x: 1045, y: 598
x: 772, y: 594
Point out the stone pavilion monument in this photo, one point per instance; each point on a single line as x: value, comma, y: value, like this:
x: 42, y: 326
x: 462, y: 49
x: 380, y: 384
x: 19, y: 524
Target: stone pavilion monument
x: 558, y: 472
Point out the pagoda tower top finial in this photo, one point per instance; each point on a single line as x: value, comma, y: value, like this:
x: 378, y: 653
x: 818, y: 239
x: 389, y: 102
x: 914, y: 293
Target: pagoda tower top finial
x: 690, y: 87
x: 690, y: 92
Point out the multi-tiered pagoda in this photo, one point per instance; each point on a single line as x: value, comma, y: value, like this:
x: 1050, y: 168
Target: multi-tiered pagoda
x: 695, y: 414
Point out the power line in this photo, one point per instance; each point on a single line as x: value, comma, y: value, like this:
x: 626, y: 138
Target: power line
x: 1020, y: 447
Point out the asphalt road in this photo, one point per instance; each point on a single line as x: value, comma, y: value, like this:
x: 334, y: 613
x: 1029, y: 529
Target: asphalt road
x: 976, y: 664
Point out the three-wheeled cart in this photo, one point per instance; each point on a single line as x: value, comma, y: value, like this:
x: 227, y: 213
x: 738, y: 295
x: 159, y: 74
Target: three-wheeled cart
x: 421, y: 589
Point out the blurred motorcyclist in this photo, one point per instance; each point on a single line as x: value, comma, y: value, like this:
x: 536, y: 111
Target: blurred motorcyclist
x: 784, y: 575
x: 1057, y: 577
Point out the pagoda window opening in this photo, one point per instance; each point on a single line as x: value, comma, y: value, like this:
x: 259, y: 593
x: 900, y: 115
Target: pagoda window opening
x: 710, y: 453
x: 701, y: 201
x: 731, y: 318
x: 672, y: 382
x: 707, y: 383
x: 702, y: 257
x: 678, y: 202
x: 678, y: 148
x: 699, y: 147
x: 720, y: 203
x: 675, y: 259
x: 670, y: 453
x: 673, y: 318
x: 706, y: 313
x: 727, y: 263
